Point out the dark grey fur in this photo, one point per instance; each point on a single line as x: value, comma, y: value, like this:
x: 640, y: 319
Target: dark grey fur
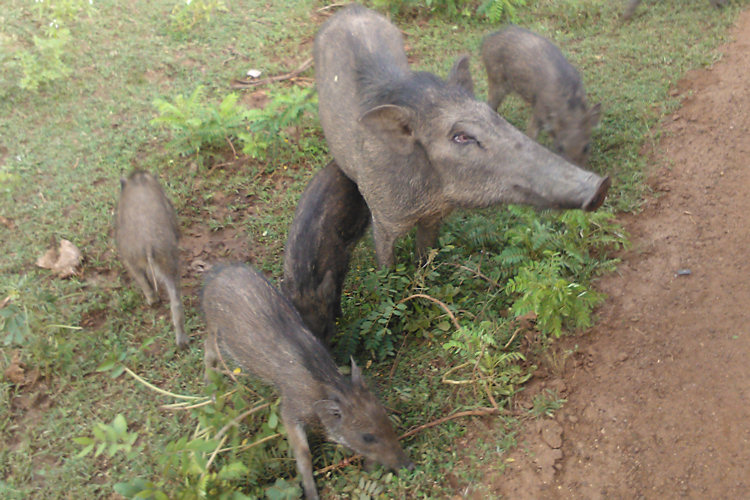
x: 256, y: 326
x: 147, y: 241
x: 330, y: 219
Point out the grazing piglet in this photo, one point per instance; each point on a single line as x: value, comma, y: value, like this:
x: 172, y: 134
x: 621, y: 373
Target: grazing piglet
x: 331, y: 218
x: 146, y: 234
x: 523, y: 62
x: 252, y: 323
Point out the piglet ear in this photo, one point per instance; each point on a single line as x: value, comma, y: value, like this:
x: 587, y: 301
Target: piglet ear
x: 329, y: 413
x: 356, y: 374
x: 393, y: 125
x: 460, y: 75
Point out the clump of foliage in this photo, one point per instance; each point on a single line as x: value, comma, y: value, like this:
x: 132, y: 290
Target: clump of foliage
x: 540, y: 287
x: 39, y: 60
x: 492, y: 271
x: 43, y: 63
x: 198, y: 125
x: 62, y: 10
x: 492, y: 10
x: 186, y: 14
x: 484, y: 359
x: 235, y: 429
x: 267, y: 128
x: 497, y: 10
x: 546, y: 403
x: 14, y: 325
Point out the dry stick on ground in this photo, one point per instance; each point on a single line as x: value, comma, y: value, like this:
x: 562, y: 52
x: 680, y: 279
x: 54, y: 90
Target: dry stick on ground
x: 243, y: 84
x: 479, y: 412
x: 476, y: 272
x: 234, y: 151
x: 441, y: 304
x: 395, y: 361
x: 512, y: 338
x: 160, y: 391
x: 484, y: 379
x: 332, y: 6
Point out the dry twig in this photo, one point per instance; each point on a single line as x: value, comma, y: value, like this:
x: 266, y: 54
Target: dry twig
x: 243, y: 84
x: 479, y: 412
x: 441, y: 304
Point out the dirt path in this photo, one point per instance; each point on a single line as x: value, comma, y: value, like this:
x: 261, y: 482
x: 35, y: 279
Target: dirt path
x: 659, y: 392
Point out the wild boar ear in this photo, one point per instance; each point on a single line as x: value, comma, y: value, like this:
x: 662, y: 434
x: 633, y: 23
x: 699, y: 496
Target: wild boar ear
x: 594, y: 114
x: 356, y: 374
x: 460, y: 75
x: 393, y: 124
x: 329, y: 413
x: 123, y: 181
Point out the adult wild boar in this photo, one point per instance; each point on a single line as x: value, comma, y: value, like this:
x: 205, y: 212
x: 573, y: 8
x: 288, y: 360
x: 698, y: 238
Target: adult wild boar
x: 418, y: 146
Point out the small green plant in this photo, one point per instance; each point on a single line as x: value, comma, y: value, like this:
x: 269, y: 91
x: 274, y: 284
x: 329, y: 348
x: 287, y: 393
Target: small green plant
x: 378, y: 315
x: 112, y: 438
x: 44, y: 63
x: 283, y: 490
x: 447, y: 8
x: 484, y: 361
x: 497, y: 10
x: 492, y: 10
x: 541, y: 288
x: 186, y: 14
x: 62, y: 10
x: 197, y: 125
x: 14, y: 325
x: 546, y: 403
x: 228, y: 451
x: 8, y: 179
x: 267, y: 127
x: 374, y: 486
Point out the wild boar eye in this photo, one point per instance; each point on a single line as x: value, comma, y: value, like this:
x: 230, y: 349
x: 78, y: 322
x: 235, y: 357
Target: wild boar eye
x: 463, y: 138
x: 368, y: 438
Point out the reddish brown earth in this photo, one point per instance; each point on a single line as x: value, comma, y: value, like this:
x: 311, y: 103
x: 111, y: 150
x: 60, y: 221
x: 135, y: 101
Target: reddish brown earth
x: 658, y: 394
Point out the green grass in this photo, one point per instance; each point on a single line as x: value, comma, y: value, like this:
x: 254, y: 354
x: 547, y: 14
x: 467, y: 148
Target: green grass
x: 64, y: 146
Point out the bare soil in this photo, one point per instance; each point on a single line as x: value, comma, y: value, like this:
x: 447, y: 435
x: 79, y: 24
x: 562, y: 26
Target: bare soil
x: 658, y: 393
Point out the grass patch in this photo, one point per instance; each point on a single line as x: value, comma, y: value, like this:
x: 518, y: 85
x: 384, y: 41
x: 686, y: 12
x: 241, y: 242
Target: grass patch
x: 82, y: 117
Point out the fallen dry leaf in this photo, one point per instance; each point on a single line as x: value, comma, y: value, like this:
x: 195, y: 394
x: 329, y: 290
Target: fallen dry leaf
x: 64, y: 261
x: 15, y: 371
x: 7, y: 222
